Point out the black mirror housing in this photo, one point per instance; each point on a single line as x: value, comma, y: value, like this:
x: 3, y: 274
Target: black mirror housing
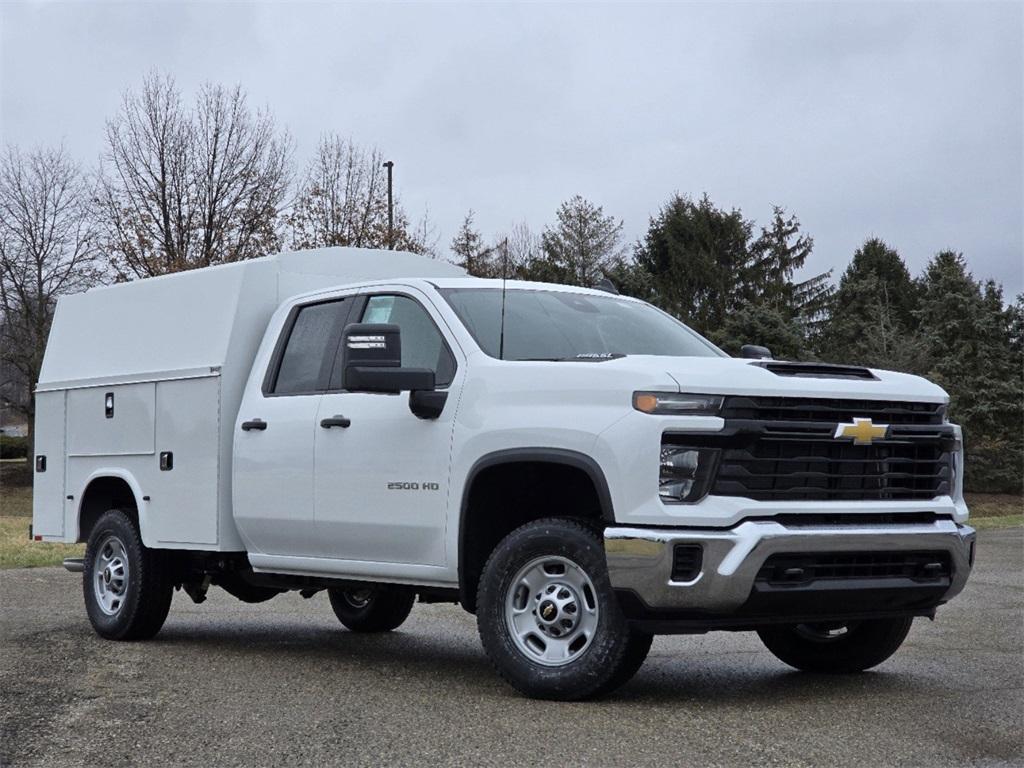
x: 372, y: 361
x: 754, y: 352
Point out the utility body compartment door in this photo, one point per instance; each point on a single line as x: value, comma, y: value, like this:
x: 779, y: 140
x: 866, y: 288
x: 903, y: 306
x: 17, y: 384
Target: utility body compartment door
x: 48, y: 485
x: 184, y: 477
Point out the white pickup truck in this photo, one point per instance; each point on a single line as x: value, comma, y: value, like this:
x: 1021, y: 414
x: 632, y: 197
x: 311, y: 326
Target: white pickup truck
x: 577, y: 468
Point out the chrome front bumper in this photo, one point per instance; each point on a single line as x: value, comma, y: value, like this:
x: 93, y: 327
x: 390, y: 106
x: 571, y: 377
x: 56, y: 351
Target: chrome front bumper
x: 640, y: 559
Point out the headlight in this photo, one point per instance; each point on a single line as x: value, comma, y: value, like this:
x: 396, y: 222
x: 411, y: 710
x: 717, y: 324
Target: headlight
x: 686, y: 472
x: 674, y: 403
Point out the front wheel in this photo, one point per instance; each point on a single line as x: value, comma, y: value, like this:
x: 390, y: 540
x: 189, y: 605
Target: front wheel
x: 126, y: 585
x: 372, y: 608
x: 836, y: 647
x: 548, y: 617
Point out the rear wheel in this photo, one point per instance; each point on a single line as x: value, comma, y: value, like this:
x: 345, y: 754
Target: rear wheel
x: 126, y: 585
x: 548, y: 617
x: 836, y: 647
x: 372, y: 608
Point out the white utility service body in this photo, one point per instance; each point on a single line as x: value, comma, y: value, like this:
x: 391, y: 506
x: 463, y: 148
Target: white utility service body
x: 171, y: 388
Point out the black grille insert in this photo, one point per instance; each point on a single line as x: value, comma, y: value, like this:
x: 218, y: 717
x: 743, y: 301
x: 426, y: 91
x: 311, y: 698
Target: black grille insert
x: 796, y: 569
x: 847, y: 519
x: 831, y: 410
x: 686, y: 561
x: 806, y: 467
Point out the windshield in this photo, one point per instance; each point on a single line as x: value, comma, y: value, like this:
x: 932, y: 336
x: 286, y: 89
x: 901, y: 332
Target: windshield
x: 559, y: 325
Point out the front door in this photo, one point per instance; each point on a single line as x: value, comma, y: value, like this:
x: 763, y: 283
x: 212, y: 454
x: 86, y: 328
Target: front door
x: 277, y: 425
x: 382, y: 481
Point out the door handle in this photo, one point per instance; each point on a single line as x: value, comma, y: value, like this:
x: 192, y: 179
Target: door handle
x: 259, y: 424
x: 335, y: 421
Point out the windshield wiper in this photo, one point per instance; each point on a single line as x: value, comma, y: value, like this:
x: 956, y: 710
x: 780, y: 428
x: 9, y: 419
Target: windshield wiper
x: 583, y: 357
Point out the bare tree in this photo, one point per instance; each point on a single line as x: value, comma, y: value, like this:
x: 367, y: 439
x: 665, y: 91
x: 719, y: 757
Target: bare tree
x: 520, y: 246
x: 48, y: 247
x: 183, y: 188
x: 343, y: 200
x: 422, y: 238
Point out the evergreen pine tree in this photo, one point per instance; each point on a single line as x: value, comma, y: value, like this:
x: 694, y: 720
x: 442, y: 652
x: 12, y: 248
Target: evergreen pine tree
x: 470, y: 252
x: 582, y: 247
x: 871, y: 315
x: 697, y: 257
x: 969, y: 339
x: 776, y: 255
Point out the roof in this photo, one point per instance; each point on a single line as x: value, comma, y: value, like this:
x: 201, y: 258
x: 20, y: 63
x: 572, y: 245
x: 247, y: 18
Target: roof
x: 204, y: 318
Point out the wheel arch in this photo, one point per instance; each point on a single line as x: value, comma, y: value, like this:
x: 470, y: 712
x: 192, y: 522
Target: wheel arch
x: 108, y: 489
x: 584, y: 470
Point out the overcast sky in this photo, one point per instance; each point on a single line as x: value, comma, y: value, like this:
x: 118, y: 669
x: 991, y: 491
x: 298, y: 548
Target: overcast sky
x: 897, y: 120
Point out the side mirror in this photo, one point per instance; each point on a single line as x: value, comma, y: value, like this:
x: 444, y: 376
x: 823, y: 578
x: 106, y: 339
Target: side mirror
x: 754, y: 352
x: 371, y: 361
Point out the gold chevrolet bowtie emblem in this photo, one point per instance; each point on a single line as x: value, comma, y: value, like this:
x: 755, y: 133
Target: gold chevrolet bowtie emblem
x: 863, y: 431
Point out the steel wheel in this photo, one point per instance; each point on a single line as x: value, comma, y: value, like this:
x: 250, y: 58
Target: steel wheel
x: 110, y: 575
x: 551, y: 611
x: 357, y: 598
x: 824, y: 632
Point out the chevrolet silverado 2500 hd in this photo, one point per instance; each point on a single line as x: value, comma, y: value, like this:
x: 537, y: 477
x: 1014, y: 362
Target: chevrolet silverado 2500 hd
x: 577, y: 468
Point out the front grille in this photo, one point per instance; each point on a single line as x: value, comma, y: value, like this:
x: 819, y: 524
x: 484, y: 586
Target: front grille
x: 811, y: 465
x: 799, y: 568
x: 831, y: 410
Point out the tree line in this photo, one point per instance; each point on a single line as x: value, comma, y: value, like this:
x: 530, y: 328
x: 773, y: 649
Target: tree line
x: 183, y: 184
x: 735, y: 283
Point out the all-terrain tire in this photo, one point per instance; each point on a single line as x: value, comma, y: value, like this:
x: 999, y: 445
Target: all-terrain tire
x: 127, y: 586
x: 573, y: 575
x: 379, y: 608
x: 862, y: 644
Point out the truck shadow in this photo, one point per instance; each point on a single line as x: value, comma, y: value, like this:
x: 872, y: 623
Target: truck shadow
x: 681, y: 679
x: 730, y: 683
x: 406, y: 651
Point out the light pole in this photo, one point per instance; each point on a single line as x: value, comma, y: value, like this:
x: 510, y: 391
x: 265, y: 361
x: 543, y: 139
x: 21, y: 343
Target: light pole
x: 391, y: 209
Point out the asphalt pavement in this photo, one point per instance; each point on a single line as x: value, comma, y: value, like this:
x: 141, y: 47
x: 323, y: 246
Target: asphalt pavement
x: 282, y: 683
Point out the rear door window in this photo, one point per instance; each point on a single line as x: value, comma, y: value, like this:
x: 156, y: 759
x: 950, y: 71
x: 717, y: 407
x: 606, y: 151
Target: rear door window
x: 307, y: 357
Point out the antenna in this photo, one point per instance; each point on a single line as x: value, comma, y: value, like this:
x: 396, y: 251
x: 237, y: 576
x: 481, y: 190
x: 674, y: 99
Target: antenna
x: 504, y: 279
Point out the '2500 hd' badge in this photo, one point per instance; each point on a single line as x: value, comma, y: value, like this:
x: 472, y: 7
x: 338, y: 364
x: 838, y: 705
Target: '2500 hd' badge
x: 414, y: 487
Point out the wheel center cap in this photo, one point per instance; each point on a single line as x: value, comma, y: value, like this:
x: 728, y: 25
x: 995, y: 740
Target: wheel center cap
x: 106, y: 575
x: 548, y: 610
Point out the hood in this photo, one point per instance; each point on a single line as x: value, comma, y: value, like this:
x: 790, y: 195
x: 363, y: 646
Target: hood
x: 735, y: 376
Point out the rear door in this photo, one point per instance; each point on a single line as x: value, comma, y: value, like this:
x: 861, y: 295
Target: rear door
x: 274, y: 457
